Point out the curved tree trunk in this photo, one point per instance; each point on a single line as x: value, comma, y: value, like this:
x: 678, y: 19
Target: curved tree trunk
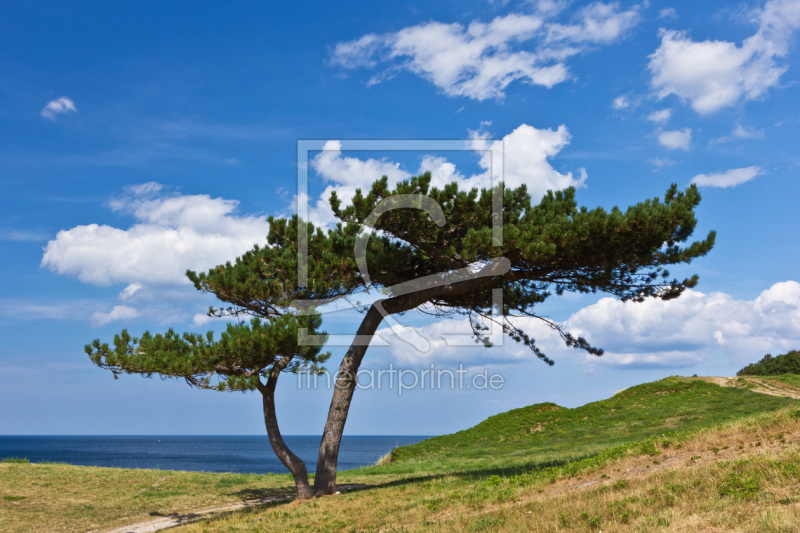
x: 325, y: 479
x: 295, y: 465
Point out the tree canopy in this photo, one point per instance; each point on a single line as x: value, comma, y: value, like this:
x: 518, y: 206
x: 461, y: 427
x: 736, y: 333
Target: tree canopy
x: 788, y: 363
x: 546, y: 248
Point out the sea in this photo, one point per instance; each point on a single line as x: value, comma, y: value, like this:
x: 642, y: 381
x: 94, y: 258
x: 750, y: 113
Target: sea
x: 240, y: 454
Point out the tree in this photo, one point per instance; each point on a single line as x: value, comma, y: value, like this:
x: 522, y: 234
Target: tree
x: 552, y: 246
x: 452, y: 264
x: 788, y: 363
x: 261, y: 283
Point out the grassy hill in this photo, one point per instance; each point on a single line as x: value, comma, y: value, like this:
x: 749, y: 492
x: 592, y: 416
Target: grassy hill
x: 680, y: 453
x: 546, y: 431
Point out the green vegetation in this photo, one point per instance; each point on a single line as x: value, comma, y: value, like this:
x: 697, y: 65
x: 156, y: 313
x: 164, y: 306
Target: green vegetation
x: 415, y: 245
x: 547, y: 431
x: 788, y: 363
x: 18, y: 460
x: 59, y: 497
x: 698, y: 439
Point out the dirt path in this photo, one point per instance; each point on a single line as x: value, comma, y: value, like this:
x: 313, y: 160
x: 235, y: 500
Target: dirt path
x: 762, y: 385
x: 164, y: 522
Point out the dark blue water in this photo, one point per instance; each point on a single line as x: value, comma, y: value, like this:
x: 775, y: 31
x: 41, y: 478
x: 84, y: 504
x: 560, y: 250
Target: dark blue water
x: 208, y: 454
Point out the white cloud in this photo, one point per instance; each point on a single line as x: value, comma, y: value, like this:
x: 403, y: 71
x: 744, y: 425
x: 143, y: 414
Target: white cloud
x: 596, y: 23
x: 653, y: 333
x: 345, y: 175
x: 659, y: 162
x: 130, y: 291
x: 716, y: 74
x: 120, y: 312
x: 57, y: 107
x: 526, y: 153
x: 676, y: 139
x: 172, y: 233
x: 668, y: 13
x: 739, y: 132
x: 685, y: 330
x: 481, y: 60
x: 729, y: 178
x: 522, y: 158
x: 621, y: 102
x: 22, y: 235
x: 660, y: 117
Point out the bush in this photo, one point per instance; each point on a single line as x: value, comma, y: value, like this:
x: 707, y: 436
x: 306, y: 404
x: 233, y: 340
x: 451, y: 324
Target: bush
x: 788, y: 363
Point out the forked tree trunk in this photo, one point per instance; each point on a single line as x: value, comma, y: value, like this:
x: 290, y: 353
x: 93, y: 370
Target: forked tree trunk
x: 295, y: 465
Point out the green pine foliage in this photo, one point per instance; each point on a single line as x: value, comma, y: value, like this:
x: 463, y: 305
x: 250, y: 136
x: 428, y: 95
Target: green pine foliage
x: 788, y: 363
x: 553, y: 246
x: 233, y: 363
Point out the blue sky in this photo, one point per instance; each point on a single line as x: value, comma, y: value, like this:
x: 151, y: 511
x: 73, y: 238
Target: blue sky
x: 140, y: 140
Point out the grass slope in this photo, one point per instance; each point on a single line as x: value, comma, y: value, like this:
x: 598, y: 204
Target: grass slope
x: 545, y: 431
x: 460, y: 482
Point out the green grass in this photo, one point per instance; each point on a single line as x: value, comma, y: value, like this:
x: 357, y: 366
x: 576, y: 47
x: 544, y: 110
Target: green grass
x: 505, y: 458
x: 15, y: 460
x: 789, y: 379
x: 545, y: 431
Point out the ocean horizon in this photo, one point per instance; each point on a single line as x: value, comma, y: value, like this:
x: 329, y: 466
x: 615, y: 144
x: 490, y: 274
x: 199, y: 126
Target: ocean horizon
x: 242, y: 454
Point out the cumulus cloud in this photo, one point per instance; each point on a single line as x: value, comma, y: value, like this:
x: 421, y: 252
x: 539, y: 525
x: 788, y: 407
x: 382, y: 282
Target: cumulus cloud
x: 120, y: 312
x: 683, y: 331
x: 346, y: 174
x: 676, y: 139
x: 172, y: 233
x: 595, y: 23
x: 716, y: 74
x: 521, y: 157
x: 59, y: 106
x: 729, y: 178
x: 653, y: 333
x: 526, y: 153
x: 479, y: 61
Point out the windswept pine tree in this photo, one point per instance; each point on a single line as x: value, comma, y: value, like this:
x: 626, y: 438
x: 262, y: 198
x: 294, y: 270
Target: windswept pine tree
x: 550, y: 247
x: 451, y: 263
x: 247, y: 356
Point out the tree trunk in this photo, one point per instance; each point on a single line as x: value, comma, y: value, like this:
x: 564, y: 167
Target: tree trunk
x: 325, y: 479
x: 295, y: 465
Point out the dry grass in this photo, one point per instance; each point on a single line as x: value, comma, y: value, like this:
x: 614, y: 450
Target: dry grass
x: 729, y: 469
x: 59, y: 497
x: 743, y: 477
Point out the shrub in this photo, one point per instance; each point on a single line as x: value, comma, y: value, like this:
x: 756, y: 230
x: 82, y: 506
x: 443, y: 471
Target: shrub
x: 788, y: 363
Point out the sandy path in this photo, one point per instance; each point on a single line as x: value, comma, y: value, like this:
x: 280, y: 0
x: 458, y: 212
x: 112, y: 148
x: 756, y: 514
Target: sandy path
x: 164, y: 522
